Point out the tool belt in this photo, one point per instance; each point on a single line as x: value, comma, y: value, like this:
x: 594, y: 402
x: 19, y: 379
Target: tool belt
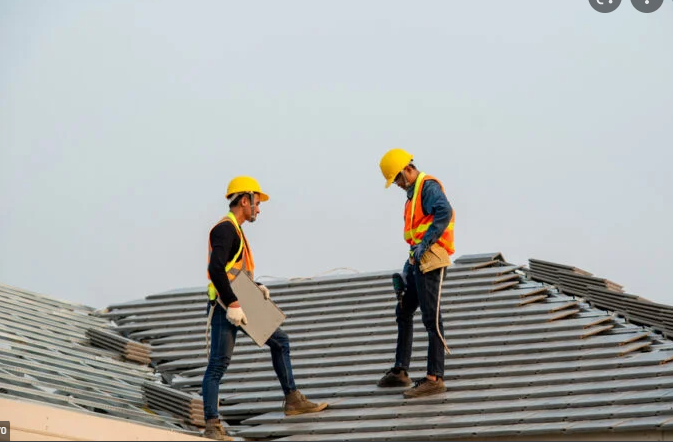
x: 434, y: 258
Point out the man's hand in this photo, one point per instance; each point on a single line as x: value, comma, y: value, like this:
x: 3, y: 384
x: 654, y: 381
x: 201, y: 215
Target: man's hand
x: 417, y: 252
x: 235, y: 315
x: 265, y: 291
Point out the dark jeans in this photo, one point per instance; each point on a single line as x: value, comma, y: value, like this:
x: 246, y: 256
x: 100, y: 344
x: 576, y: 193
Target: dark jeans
x: 222, y: 341
x: 423, y: 291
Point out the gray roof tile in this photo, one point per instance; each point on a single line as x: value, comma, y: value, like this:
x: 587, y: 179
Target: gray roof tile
x: 526, y: 359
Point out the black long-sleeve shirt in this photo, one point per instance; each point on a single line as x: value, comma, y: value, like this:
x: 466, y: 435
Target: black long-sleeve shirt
x: 224, y: 242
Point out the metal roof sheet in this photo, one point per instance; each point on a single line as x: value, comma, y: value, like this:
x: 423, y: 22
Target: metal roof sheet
x: 528, y: 357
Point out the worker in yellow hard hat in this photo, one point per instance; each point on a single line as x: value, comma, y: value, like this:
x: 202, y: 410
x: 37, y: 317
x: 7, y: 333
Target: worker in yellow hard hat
x: 428, y: 229
x: 229, y: 254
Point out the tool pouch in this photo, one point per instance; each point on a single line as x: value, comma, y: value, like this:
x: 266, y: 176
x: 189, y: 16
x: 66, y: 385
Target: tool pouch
x: 434, y: 258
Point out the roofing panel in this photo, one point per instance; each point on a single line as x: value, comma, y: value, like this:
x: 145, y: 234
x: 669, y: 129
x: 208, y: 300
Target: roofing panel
x: 642, y: 423
x: 479, y: 432
x: 352, y: 408
x: 526, y: 359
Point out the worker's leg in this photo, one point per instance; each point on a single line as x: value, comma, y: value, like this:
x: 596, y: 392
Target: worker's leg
x: 295, y: 402
x: 405, y: 321
x: 279, y: 343
x: 427, y: 286
x: 222, y: 341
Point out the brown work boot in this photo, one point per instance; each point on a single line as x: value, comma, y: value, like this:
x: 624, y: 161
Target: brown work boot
x: 296, y: 403
x: 215, y: 431
x: 395, y: 377
x: 425, y: 387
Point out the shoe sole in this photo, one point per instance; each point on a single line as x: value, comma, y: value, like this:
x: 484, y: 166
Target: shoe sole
x: 409, y: 395
x: 401, y: 384
x: 320, y: 407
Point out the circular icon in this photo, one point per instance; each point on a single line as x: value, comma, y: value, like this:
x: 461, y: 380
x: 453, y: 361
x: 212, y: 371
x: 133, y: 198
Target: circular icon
x: 605, y: 6
x: 647, y: 6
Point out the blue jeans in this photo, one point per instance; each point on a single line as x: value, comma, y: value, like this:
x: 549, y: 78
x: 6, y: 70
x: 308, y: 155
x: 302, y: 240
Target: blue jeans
x: 422, y: 290
x: 222, y: 341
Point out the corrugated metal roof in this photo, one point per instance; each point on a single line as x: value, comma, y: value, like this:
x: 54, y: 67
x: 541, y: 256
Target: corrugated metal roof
x: 526, y: 358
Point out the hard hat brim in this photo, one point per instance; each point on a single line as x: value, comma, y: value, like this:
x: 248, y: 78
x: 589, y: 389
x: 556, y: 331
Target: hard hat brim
x: 262, y: 196
x: 389, y: 182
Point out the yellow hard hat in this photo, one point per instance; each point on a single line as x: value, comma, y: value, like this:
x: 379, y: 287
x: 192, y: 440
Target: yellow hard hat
x: 393, y: 162
x: 245, y: 184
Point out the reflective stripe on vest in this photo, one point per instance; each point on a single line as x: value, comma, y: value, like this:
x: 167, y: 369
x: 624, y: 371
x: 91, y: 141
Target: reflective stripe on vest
x: 416, y: 223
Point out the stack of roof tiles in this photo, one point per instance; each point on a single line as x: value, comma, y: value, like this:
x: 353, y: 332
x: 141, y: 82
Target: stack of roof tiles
x: 128, y: 348
x: 526, y: 359
x: 605, y: 294
x: 188, y: 406
x: 46, y: 356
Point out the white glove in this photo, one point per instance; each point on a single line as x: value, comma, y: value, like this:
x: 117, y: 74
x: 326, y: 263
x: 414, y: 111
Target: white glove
x: 236, y: 316
x: 265, y: 291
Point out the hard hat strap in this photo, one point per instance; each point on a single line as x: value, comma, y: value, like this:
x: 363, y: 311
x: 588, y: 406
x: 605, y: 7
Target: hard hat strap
x: 253, y: 215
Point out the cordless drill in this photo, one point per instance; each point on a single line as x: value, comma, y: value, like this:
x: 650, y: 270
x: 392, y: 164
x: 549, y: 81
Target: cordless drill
x: 399, y: 285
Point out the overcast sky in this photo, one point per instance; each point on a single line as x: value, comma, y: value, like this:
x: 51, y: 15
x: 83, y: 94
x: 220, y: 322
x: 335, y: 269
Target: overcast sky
x: 121, y: 123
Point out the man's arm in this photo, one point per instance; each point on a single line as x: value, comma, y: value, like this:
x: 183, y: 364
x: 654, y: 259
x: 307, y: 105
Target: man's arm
x: 224, y: 242
x: 434, y: 202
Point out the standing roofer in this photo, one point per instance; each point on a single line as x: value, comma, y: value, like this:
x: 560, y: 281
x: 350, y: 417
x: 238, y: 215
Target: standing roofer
x: 428, y: 229
x: 229, y: 254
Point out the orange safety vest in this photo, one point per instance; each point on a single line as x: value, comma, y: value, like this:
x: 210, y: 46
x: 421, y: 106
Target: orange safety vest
x: 234, y: 267
x: 416, y: 223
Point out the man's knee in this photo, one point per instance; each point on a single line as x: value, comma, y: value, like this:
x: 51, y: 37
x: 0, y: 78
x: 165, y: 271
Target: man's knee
x: 430, y: 326
x: 217, y: 366
x: 279, y: 340
x: 430, y: 319
x: 404, y: 313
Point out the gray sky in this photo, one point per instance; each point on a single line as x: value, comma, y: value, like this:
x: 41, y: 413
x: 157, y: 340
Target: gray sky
x: 122, y: 122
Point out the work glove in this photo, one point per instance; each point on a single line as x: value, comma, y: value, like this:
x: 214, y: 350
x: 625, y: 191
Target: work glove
x: 236, y: 316
x: 212, y: 294
x: 417, y: 252
x: 265, y: 291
